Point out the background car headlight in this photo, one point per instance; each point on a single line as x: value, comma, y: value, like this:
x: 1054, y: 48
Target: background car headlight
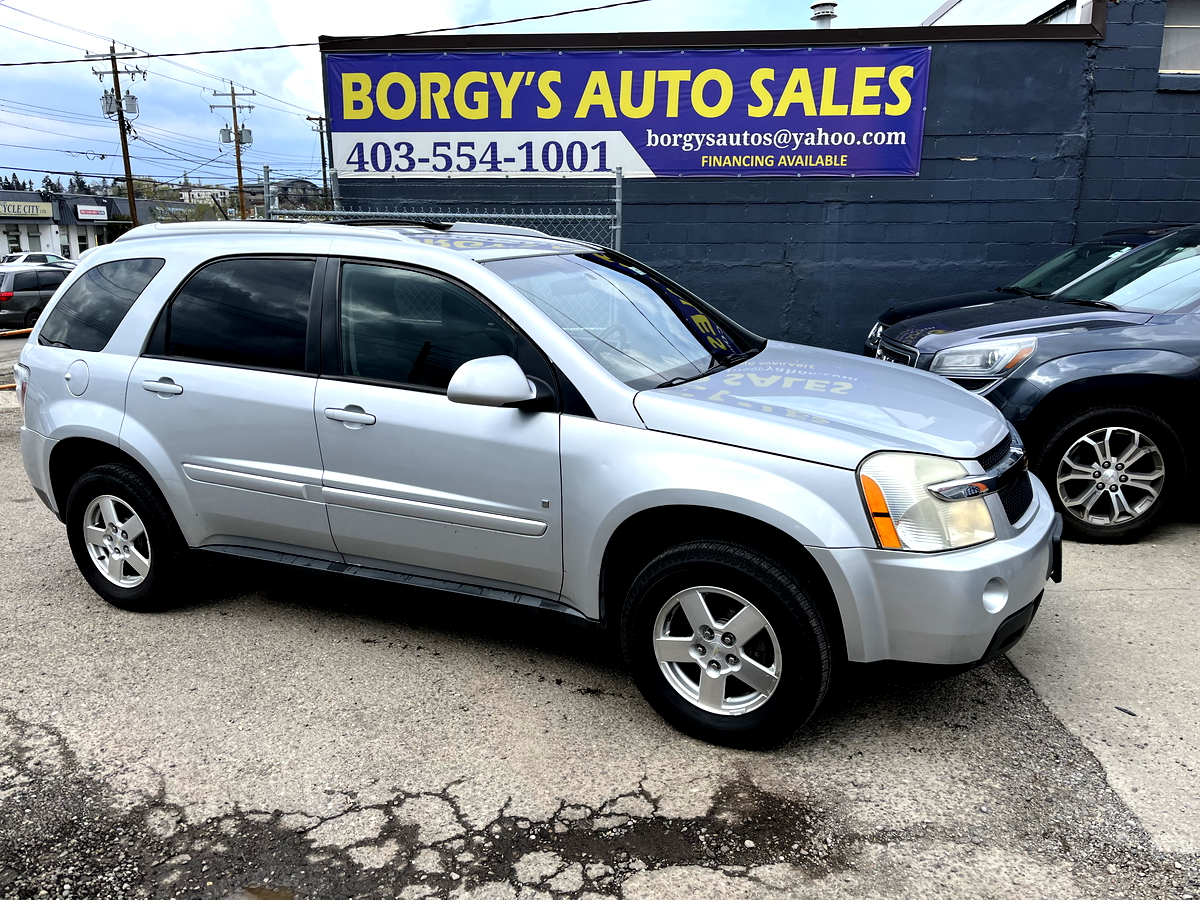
x: 987, y: 359
x: 906, y: 516
x: 875, y: 334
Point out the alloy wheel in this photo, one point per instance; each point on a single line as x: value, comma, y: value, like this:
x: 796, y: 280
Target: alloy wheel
x: 116, y: 541
x: 717, y: 650
x: 1110, y: 476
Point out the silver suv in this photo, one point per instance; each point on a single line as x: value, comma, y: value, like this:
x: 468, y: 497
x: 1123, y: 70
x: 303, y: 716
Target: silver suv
x: 498, y: 413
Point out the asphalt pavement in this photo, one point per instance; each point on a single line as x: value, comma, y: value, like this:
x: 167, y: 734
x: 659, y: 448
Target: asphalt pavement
x: 284, y: 735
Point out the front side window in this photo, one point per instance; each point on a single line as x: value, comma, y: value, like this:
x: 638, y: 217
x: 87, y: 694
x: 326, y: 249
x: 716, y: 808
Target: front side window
x: 412, y: 328
x: 244, y: 312
x: 640, y: 327
x: 85, y: 317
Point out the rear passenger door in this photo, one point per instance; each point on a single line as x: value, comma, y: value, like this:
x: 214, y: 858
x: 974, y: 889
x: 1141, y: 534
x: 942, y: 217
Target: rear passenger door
x: 224, y: 393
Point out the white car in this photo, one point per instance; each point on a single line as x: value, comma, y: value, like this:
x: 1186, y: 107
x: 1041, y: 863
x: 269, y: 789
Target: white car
x: 37, y: 259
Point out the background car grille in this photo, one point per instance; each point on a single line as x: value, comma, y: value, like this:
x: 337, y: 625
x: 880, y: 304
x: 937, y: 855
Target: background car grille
x: 996, y: 454
x: 896, y: 353
x: 1017, y: 497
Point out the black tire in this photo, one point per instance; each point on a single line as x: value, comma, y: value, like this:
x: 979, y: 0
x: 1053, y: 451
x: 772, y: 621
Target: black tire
x: 805, y: 659
x: 162, y: 543
x: 1131, y: 511
x: 32, y: 316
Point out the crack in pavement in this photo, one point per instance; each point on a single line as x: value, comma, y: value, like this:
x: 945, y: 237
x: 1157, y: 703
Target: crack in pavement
x: 66, y: 836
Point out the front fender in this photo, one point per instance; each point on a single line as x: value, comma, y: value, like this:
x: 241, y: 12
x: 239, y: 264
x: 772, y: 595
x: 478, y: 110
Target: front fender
x: 611, y: 472
x: 1128, y: 369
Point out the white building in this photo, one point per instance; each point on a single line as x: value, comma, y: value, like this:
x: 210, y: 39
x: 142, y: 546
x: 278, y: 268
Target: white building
x: 1011, y: 12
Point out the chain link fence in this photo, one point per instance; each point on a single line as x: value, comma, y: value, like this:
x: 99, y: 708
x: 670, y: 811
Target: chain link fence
x: 596, y: 224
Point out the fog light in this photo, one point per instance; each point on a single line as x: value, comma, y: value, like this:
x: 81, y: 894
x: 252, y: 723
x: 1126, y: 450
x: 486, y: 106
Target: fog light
x: 995, y: 595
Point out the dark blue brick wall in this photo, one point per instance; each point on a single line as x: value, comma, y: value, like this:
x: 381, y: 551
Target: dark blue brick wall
x: 1029, y: 147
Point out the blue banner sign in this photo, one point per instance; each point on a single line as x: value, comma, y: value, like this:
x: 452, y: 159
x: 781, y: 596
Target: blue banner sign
x: 539, y: 114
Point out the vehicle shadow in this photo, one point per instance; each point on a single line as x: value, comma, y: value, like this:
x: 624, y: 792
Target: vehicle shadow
x: 891, y: 691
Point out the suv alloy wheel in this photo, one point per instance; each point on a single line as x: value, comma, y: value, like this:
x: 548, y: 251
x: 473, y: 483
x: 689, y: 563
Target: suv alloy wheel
x: 124, y: 539
x: 1112, y: 472
x: 726, y: 644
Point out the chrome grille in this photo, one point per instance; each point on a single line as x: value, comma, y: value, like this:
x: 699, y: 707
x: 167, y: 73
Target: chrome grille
x: 897, y: 353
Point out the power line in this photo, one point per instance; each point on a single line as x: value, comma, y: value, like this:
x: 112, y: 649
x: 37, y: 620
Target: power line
x: 131, y: 47
x: 569, y: 12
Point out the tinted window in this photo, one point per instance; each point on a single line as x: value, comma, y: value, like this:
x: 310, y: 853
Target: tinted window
x: 85, y: 317
x: 50, y: 280
x: 36, y: 258
x: 247, y: 312
x: 25, y: 281
x: 413, y: 328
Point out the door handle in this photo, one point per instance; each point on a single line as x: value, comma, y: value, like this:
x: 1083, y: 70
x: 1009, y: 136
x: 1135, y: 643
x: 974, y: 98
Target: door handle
x: 162, y: 386
x: 350, y: 415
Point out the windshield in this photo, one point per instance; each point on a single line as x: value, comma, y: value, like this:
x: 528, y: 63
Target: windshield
x: 1066, y: 267
x: 639, y: 326
x: 1159, y: 277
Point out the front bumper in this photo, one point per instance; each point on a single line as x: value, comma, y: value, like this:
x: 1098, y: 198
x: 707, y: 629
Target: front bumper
x: 931, y: 607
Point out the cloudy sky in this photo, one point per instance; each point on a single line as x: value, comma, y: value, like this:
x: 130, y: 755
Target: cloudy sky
x: 52, y: 113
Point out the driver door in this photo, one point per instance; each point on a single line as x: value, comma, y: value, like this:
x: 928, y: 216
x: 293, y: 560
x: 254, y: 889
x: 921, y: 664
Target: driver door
x: 414, y: 482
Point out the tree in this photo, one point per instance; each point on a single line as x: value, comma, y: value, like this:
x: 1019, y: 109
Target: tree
x: 147, y: 189
x: 15, y: 184
x: 77, y: 184
x: 52, y: 185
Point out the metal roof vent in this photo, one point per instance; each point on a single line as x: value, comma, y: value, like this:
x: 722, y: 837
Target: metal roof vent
x: 824, y: 13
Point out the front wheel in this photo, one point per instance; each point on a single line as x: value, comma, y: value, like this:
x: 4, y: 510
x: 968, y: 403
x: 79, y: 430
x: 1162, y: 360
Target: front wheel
x: 1112, y: 472
x: 726, y: 644
x: 124, y: 538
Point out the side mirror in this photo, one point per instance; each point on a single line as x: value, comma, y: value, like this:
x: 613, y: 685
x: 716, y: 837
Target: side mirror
x: 491, y: 381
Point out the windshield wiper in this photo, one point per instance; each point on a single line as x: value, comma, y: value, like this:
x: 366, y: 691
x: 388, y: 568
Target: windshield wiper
x: 46, y: 342
x: 731, y: 360
x: 1025, y: 291
x: 1098, y: 304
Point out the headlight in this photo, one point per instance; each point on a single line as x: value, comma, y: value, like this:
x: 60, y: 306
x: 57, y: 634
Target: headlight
x: 875, y: 334
x: 987, y: 359
x: 906, y: 516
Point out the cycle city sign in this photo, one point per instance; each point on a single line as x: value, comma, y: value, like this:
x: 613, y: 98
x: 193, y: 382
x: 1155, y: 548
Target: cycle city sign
x: 582, y: 113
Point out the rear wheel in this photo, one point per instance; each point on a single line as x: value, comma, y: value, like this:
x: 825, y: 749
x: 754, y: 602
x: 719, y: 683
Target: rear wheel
x: 124, y: 539
x: 1112, y: 472
x: 726, y: 644
x: 32, y: 316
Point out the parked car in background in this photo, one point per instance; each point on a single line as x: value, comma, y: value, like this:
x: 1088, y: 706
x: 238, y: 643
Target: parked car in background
x: 25, y: 291
x: 1101, y: 379
x: 34, y: 258
x: 1041, y: 282
x: 506, y: 415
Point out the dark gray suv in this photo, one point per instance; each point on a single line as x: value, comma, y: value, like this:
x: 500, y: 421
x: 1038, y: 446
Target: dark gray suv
x: 25, y: 291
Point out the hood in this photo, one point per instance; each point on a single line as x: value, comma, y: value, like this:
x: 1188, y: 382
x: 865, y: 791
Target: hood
x: 894, y: 314
x: 1022, y: 315
x: 826, y: 407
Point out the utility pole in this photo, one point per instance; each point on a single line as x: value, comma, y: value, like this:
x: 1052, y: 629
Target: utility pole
x: 118, y: 106
x: 238, y: 138
x: 320, y: 130
x: 267, y: 192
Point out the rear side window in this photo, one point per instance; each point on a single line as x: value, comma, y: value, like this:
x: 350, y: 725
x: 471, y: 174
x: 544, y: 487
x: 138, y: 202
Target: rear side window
x: 25, y: 281
x: 244, y: 312
x: 50, y: 280
x: 86, y: 316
